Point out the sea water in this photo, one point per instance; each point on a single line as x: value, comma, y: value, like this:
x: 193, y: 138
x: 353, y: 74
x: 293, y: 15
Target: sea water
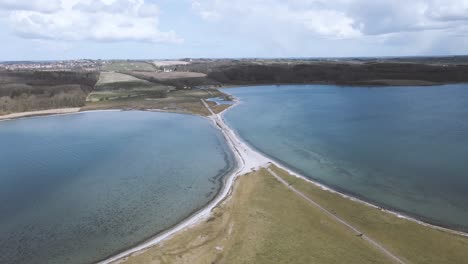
x: 79, y: 188
x: 403, y: 148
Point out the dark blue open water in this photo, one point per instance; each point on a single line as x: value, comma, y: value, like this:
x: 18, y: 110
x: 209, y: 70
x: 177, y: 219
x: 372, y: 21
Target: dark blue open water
x: 77, y: 188
x: 404, y: 148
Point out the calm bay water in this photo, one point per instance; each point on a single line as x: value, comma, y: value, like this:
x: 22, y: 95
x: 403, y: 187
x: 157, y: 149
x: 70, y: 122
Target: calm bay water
x: 404, y: 148
x: 77, y: 188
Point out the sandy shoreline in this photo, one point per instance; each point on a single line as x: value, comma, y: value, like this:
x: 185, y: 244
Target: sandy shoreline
x: 203, y: 213
x: 59, y: 111
x: 329, y: 189
x: 70, y: 111
x: 248, y: 160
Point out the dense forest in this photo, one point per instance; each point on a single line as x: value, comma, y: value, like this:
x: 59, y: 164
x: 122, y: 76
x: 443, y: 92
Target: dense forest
x: 29, y: 90
x: 345, y: 73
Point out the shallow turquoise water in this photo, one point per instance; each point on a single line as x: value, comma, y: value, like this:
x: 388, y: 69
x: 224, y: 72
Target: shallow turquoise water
x: 404, y: 148
x: 78, y: 188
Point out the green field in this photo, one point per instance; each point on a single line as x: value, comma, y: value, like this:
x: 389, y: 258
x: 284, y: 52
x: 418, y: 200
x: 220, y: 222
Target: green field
x: 264, y: 222
x: 125, y: 66
x: 106, y: 78
x: 149, y: 93
x: 122, y: 91
x: 117, y: 86
x: 180, y: 101
x: 414, y: 242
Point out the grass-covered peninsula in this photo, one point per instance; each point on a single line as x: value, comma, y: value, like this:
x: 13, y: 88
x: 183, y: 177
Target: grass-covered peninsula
x: 265, y: 222
x: 272, y: 216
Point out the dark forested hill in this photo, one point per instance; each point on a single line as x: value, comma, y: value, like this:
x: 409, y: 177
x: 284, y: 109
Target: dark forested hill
x: 37, y: 90
x: 341, y: 73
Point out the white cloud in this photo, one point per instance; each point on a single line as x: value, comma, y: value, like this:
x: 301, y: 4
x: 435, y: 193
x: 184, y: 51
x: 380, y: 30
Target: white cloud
x: 324, y: 27
x: 312, y: 17
x: 98, y: 20
x: 339, y: 18
x: 136, y: 7
x: 448, y: 10
x: 327, y: 23
x: 248, y: 27
x: 204, y: 13
x: 46, y: 6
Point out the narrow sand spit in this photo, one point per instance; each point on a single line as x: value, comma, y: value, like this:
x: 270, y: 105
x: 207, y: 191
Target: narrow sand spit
x: 248, y: 159
x: 55, y: 112
x: 40, y: 113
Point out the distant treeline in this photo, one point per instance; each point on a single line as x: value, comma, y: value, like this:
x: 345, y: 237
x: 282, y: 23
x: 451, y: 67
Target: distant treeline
x: 242, y: 72
x: 352, y: 74
x: 50, y: 78
x: 29, y: 90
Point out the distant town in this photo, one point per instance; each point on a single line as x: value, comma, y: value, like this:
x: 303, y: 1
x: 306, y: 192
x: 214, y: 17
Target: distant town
x: 63, y: 65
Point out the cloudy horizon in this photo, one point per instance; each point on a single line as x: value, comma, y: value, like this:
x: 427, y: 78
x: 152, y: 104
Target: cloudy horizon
x: 139, y: 29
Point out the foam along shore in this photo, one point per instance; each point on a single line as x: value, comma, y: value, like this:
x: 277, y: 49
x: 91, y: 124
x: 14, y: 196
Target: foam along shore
x: 68, y: 111
x: 248, y: 160
x: 59, y: 111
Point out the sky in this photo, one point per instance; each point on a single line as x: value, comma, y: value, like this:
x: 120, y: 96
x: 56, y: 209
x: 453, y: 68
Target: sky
x: 157, y: 29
